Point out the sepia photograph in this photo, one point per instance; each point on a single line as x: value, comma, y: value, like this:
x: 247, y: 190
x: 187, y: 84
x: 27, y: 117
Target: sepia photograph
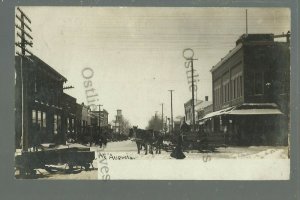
x: 152, y: 93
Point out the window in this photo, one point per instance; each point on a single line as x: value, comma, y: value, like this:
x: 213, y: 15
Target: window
x: 58, y: 122
x: 241, y: 84
x: 39, y: 118
x: 44, y: 120
x: 35, y: 85
x: 224, y: 93
x: 228, y: 91
x: 234, y: 89
x: 33, y: 117
x: 55, y: 124
x: 68, y: 124
x: 238, y: 86
x: 258, y: 83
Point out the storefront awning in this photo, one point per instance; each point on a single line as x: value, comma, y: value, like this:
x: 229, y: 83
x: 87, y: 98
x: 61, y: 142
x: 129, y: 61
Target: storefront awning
x: 247, y: 109
x: 256, y: 109
x: 217, y: 113
x: 255, y: 112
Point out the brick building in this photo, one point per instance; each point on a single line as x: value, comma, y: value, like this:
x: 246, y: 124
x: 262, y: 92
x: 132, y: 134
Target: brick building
x: 251, y: 91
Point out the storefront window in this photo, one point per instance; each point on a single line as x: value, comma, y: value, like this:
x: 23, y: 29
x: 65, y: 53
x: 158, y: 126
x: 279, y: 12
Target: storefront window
x: 58, y: 123
x: 55, y: 124
x: 68, y: 124
x: 39, y: 118
x: 44, y: 120
x: 33, y: 116
x: 73, y: 123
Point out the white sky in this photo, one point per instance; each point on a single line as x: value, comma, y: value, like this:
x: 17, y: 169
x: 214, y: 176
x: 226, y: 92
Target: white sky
x: 136, y: 53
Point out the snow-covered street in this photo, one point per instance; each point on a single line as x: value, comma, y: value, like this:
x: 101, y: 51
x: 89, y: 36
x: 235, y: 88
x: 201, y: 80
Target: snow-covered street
x: 129, y: 148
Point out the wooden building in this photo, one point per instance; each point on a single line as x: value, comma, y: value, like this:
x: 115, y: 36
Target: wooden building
x: 41, y: 103
x: 69, y: 107
x: 251, y: 91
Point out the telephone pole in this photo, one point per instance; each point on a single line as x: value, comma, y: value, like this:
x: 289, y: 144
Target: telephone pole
x: 99, y: 118
x: 162, y: 116
x: 193, y: 95
x: 246, y: 21
x: 22, y: 33
x: 188, y: 54
x: 171, y: 92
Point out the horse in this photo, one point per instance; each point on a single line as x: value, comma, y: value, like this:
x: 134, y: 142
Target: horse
x: 149, y: 139
x: 140, y: 137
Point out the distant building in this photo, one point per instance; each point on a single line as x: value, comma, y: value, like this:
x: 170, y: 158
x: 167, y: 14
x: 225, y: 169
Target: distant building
x: 188, y: 109
x: 103, y: 119
x: 202, y: 107
x: 84, y: 119
x: 70, y: 108
x: 251, y: 91
x: 118, y: 122
x: 177, y: 123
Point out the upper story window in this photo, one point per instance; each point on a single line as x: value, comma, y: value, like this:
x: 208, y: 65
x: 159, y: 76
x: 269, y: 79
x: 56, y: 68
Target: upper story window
x: 236, y: 87
x: 217, y: 96
x: 241, y: 85
x: 35, y: 85
x: 226, y: 91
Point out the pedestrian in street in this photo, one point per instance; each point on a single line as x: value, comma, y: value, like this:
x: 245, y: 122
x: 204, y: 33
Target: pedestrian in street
x: 178, y: 152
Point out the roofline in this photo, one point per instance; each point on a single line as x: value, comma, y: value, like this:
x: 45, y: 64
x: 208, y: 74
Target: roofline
x: 238, y: 47
x: 52, y: 69
x: 37, y: 59
x: 223, y: 60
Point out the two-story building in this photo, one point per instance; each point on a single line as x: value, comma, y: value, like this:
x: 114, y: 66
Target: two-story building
x: 188, y: 110
x: 103, y: 118
x: 69, y: 107
x: 251, y: 91
x: 38, y: 102
x: 202, y: 107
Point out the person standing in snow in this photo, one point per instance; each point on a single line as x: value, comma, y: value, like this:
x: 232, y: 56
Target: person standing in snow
x: 178, y: 152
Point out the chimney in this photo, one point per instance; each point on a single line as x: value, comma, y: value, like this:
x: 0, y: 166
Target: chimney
x: 206, y: 98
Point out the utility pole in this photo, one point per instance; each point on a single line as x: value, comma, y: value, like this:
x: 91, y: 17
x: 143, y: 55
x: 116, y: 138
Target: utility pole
x: 171, y: 91
x: 166, y: 125
x: 169, y: 126
x: 23, y: 35
x: 188, y: 54
x: 247, y: 21
x: 193, y: 95
x: 162, y: 116
x: 99, y: 118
